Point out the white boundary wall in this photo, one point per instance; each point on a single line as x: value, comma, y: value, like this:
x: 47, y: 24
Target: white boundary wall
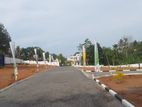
x: 128, y: 65
x: 9, y: 60
x: 132, y: 65
x: 42, y: 62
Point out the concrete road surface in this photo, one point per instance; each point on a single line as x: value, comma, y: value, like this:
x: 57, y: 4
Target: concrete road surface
x: 59, y: 87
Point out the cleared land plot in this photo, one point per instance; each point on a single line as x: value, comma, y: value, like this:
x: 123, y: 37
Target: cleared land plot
x: 129, y: 88
x: 6, y: 73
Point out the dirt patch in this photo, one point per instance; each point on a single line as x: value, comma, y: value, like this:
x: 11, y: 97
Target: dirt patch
x: 130, y: 87
x: 24, y: 71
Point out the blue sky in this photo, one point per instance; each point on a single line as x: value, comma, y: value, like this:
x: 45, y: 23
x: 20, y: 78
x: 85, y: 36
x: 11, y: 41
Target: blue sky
x: 58, y: 26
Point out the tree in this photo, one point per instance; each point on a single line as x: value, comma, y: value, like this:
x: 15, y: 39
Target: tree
x: 39, y: 53
x: 124, y: 52
x: 4, y: 40
x: 90, y: 52
x: 28, y: 53
x: 102, y: 57
x: 108, y: 56
x: 54, y: 56
x: 62, y: 59
x: 86, y: 43
x: 127, y: 52
x: 123, y: 45
x: 18, y: 52
x: 47, y: 55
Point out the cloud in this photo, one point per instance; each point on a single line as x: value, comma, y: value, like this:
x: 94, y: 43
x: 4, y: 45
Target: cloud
x: 60, y: 25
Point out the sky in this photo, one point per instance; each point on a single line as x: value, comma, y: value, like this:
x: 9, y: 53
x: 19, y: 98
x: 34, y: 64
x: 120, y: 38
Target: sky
x: 58, y: 26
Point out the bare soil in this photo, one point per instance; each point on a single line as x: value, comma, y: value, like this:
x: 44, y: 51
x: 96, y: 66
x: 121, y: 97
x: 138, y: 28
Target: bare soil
x: 24, y: 71
x: 130, y: 87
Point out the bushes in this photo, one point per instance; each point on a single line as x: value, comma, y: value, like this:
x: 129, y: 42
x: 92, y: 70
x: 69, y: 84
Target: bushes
x: 118, y: 76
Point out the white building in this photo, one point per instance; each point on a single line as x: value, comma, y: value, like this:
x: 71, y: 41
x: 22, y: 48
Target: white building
x: 75, y: 59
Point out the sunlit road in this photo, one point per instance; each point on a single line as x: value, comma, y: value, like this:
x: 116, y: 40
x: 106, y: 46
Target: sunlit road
x: 59, y: 87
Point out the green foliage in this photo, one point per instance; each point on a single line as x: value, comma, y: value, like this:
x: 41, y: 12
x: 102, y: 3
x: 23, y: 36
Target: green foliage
x: 17, y: 52
x: 47, y: 55
x: 4, y: 40
x: 62, y: 59
x: 28, y: 53
x: 124, y: 52
x: 90, y: 57
x: 102, y: 57
x: 128, y: 52
x: 90, y: 52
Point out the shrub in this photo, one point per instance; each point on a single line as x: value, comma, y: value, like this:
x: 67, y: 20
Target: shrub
x: 118, y: 76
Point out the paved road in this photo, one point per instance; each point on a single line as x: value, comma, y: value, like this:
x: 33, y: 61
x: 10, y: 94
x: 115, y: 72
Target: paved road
x: 59, y: 87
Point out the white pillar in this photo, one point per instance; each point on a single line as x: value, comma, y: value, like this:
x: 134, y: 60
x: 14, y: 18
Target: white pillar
x: 12, y: 47
x: 50, y: 59
x: 44, y: 59
x: 36, y: 56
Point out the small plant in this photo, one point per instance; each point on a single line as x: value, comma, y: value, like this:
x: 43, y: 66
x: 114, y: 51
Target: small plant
x: 118, y: 76
x: 112, y: 68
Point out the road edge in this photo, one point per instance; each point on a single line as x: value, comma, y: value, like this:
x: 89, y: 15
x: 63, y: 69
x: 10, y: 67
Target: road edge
x: 17, y: 82
x: 110, y: 91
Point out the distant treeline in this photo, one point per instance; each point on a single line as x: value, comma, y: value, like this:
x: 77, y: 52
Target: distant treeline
x: 123, y: 52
